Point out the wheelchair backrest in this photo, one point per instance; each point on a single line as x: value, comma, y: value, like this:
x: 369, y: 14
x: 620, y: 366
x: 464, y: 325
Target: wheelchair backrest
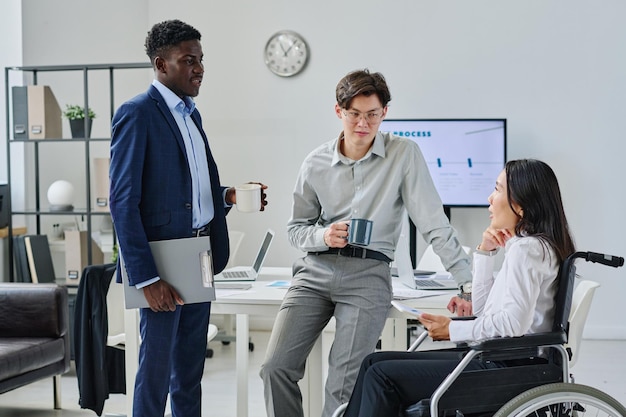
x: 563, y: 298
x: 567, y: 273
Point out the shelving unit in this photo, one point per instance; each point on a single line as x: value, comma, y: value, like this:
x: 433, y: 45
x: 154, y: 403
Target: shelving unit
x: 38, y: 211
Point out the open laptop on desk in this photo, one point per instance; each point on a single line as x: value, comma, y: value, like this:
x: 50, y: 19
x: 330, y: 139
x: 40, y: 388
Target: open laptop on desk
x: 420, y: 280
x: 247, y: 273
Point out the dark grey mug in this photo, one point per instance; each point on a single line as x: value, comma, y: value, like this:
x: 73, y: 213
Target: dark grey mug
x: 360, y: 232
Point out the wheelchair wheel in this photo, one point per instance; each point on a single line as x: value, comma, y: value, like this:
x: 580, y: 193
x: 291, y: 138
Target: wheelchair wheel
x: 562, y: 399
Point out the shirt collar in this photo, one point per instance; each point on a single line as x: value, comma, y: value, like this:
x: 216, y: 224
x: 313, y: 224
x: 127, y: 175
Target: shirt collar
x: 184, y: 106
x: 378, y: 148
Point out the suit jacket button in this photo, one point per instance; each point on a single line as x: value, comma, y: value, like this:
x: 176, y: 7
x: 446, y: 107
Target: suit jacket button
x: 188, y: 206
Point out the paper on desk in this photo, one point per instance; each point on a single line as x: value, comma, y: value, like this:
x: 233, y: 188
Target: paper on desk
x: 222, y: 293
x: 402, y: 292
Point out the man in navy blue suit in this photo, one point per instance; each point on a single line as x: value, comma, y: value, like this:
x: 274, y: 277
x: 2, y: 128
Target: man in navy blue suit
x: 165, y: 185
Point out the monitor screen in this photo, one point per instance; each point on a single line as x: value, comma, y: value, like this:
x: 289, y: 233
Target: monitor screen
x: 464, y: 156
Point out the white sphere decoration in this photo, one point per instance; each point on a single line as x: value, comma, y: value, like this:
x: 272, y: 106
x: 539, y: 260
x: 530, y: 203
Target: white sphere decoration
x: 61, y: 196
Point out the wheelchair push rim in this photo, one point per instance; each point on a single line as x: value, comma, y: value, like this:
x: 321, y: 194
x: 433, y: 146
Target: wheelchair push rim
x: 562, y: 399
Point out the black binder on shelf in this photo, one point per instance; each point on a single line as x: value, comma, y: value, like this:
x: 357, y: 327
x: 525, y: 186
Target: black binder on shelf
x: 20, y: 112
x: 22, y: 271
x: 39, y: 259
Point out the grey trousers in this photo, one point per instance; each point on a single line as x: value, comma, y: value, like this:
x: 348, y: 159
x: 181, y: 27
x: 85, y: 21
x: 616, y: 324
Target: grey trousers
x: 357, y: 292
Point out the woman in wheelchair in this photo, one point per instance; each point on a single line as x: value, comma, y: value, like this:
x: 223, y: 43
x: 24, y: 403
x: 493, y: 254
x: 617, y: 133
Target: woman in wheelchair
x: 528, y: 221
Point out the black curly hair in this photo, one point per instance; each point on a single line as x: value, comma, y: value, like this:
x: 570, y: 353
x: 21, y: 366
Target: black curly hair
x: 166, y: 34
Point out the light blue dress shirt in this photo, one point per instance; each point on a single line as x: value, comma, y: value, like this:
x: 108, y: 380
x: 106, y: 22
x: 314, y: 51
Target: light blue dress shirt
x: 202, y: 198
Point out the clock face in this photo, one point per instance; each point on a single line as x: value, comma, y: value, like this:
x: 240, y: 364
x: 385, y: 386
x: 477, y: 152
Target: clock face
x: 286, y: 53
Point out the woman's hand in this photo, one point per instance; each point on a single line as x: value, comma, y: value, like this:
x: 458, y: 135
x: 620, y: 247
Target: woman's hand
x: 438, y: 327
x: 460, y: 306
x: 494, y: 238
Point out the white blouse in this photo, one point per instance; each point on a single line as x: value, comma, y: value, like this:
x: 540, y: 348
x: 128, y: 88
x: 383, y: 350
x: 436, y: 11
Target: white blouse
x: 519, y: 300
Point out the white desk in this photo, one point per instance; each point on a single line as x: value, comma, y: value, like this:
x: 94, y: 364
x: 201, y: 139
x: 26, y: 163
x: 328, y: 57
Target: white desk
x: 262, y: 300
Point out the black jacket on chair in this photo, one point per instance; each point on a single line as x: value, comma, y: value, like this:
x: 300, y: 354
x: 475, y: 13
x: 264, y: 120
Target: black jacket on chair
x: 99, y: 368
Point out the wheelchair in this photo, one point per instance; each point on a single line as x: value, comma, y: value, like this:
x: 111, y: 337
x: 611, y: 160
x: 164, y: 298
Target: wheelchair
x: 526, y: 386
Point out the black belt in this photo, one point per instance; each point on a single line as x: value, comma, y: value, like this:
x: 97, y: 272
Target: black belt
x: 201, y: 231
x: 355, y: 252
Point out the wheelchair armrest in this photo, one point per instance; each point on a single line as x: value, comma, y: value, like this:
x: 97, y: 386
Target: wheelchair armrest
x: 529, y: 340
x: 533, y: 340
x: 461, y: 318
x: 506, y: 348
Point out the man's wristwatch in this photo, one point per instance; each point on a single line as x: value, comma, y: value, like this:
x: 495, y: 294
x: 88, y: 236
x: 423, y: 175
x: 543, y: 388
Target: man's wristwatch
x: 466, y: 291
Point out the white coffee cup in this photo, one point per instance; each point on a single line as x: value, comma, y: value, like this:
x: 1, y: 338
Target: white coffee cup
x: 248, y: 197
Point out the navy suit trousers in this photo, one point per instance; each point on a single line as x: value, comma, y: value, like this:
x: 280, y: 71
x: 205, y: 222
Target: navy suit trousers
x: 176, y: 343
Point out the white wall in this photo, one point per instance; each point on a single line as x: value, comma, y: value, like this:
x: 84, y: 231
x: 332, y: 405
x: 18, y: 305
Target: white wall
x: 553, y: 69
x: 11, y: 47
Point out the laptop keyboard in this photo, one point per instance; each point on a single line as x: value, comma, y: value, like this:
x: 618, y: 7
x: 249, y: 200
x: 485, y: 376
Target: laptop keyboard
x: 235, y: 274
x: 429, y: 283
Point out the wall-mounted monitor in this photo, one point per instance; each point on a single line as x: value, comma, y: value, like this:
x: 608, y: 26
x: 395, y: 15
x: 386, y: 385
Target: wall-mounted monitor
x: 464, y: 156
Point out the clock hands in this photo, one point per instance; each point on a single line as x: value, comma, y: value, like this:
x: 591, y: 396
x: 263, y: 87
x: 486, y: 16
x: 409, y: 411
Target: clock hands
x: 281, y: 47
x: 288, y: 49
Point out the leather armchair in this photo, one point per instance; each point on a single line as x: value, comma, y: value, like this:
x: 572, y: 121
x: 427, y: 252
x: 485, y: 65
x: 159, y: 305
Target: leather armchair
x: 34, y: 335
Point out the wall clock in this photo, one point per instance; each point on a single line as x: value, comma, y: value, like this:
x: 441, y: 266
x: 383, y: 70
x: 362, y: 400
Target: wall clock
x: 286, y: 53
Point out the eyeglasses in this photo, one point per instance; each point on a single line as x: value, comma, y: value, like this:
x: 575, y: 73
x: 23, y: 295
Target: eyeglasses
x: 355, y: 116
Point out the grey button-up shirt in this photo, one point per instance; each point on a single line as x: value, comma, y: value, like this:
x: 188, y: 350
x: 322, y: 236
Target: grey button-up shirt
x: 391, y: 179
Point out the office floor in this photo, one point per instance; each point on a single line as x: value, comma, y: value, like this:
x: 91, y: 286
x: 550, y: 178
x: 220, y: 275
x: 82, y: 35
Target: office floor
x: 601, y: 364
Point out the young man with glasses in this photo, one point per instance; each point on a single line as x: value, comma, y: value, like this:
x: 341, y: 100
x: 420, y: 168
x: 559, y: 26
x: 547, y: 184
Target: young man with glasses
x: 366, y: 174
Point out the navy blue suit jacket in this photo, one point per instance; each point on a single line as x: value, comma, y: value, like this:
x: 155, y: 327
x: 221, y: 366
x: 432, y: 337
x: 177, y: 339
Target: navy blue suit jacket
x: 150, y: 194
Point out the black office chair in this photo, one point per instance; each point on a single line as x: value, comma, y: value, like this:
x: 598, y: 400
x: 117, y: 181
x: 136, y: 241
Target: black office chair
x: 530, y: 386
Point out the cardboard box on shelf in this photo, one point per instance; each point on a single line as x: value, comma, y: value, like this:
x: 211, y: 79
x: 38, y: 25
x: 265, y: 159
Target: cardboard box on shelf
x: 101, y: 189
x: 44, y: 113
x: 76, y: 257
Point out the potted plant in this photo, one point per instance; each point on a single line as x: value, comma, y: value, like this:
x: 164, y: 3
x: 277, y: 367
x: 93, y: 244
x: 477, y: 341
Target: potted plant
x: 76, y: 115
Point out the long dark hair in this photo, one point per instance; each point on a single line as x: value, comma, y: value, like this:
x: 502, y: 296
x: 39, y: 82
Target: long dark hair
x: 532, y: 184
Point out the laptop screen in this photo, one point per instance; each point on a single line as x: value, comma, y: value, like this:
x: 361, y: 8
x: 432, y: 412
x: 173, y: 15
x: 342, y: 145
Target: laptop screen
x: 405, y: 268
x: 260, y: 257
